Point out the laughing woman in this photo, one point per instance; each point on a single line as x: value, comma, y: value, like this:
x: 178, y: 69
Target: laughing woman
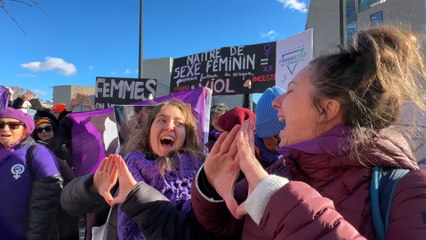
x: 165, y: 155
x: 341, y: 114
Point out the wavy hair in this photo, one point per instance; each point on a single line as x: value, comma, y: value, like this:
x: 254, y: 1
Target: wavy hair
x: 372, y: 79
x: 192, y: 144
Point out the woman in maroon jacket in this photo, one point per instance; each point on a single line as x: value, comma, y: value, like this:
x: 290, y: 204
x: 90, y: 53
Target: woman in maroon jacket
x: 341, y: 114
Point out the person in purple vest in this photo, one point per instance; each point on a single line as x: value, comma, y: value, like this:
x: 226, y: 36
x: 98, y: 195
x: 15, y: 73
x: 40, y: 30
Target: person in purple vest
x: 165, y: 154
x: 30, y: 181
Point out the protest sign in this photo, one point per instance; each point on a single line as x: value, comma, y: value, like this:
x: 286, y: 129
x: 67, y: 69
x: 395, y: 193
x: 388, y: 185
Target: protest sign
x: 227, y: 70
x: 293, y: 54
x: 118, y: 91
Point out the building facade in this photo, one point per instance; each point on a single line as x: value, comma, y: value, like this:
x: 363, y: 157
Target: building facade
x: 335, y: 21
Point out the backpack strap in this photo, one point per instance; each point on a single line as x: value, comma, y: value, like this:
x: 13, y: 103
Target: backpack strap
x: 382, y: 186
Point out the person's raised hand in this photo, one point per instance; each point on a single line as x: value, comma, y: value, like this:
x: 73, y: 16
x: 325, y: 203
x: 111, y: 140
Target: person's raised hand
x: 25, y: 96
x: 106, y: 177
x: 222, y: 168
x: 85, y: 101
x: 248, y: 162
x: 10, y: 92
x: 126, y: 181
x: 75, y: 101
x: 30, y: 96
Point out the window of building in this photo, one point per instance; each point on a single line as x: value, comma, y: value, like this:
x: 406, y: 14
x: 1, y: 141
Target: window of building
x: 366, y: 4
x: 350, y: 8
x: 351, y: 29
x: 351, y: 20
x: 376, y: 18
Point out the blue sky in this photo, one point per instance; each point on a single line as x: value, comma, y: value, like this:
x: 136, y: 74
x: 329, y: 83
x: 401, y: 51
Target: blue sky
x: 72, y: 42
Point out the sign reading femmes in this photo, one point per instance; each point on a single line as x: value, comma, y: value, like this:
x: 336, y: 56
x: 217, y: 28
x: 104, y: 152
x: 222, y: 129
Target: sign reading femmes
x: 122, y: 91
x: 227, y: 71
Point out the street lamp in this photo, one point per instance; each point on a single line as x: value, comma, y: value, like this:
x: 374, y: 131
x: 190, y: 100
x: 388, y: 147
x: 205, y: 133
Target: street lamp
x: 140, y: 39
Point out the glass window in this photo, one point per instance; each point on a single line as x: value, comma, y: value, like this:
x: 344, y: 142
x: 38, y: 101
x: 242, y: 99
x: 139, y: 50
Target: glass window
x: 351, y: 29
x: 350, y: 8
x: 376, y: 18
x: 366, y: 4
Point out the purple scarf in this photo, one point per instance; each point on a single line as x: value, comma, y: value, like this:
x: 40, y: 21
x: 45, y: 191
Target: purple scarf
x: 5, y: 152
x: 175, y: 185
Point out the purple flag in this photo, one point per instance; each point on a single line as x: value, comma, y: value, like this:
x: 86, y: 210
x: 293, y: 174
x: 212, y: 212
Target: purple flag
x: 4, y: 98
x: 94, y: 133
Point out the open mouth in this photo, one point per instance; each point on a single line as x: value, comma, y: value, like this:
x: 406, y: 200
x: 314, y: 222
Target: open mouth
x: 281, y: 119
x: 167, y: 141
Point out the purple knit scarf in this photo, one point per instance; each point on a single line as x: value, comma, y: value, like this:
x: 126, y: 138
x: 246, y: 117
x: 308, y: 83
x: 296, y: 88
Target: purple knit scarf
x: 175, y: 185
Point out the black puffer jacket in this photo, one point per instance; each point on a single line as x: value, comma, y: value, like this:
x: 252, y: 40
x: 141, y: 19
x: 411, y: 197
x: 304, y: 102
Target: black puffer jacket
x: 44, y: 216
x: 155, y: 215
x: 79, y: 198
x: 158, y: 218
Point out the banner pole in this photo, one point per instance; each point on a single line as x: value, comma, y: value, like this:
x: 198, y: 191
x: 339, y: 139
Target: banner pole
x: 248, y: 101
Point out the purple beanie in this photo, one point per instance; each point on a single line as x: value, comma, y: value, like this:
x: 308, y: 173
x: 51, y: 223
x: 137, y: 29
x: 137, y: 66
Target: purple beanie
x: 19, y: 115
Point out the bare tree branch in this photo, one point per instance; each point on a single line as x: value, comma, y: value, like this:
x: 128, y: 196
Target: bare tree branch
x: 29, y: 3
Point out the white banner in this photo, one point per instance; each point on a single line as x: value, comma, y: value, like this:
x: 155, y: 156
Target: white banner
x: 293, y: 54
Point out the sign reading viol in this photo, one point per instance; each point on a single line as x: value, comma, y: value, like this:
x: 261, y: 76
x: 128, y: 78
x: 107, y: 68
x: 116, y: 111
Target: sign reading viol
x: 227, y: 71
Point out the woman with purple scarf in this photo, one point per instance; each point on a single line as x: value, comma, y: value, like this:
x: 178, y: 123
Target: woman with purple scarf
x: 30, y: 181
x: 164, y: 157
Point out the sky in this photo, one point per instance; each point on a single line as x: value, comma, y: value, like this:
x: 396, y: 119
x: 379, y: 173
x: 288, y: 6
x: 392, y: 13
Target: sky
x: 71, y: 42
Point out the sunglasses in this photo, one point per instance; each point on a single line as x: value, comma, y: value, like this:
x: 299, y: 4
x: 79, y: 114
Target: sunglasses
x: 12, y: 125
x: 46, y: 129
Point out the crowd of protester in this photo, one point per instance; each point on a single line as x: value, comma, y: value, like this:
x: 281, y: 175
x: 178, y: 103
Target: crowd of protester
x: 298, y: 167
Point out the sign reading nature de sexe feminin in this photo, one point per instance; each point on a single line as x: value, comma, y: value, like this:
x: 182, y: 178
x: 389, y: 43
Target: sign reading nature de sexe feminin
x: 122, y: 91
x: 227, y: 71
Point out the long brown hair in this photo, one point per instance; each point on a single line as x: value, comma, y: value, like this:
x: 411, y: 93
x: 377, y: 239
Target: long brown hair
x: 192, y: 144
x: 382, y: 69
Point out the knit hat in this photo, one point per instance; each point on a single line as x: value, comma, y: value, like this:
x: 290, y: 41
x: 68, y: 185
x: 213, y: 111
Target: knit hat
x: 58, y: 108
x: 19, y: 115
x: 267, y: 123
x: 41, y: 121
x: 233, y: 117
x: 45, y: 116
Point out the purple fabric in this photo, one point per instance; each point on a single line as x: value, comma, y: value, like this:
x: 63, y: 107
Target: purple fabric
x: 19, y: 115
x: 88, y: 145
x: 175, y: 185
x: 214, y: 134
x: 4, y: 98
x: 5, y: 152
x: 266, y: 156
x: 89, y: 129
x: 329, y: 142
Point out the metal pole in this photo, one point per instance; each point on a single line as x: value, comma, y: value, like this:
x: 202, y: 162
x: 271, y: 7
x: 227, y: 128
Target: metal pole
x: 248, y: 101
x: 140, y: 40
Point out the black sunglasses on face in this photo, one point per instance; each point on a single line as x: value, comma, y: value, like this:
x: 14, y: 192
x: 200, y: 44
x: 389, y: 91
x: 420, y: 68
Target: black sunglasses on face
x: 47, y: 129
x: 12, y: 125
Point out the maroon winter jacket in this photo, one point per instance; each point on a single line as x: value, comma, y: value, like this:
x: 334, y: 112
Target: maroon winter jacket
x: 328, y: 194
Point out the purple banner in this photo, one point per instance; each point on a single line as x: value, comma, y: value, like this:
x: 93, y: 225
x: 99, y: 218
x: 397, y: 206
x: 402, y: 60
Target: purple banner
x: 4, y: 97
